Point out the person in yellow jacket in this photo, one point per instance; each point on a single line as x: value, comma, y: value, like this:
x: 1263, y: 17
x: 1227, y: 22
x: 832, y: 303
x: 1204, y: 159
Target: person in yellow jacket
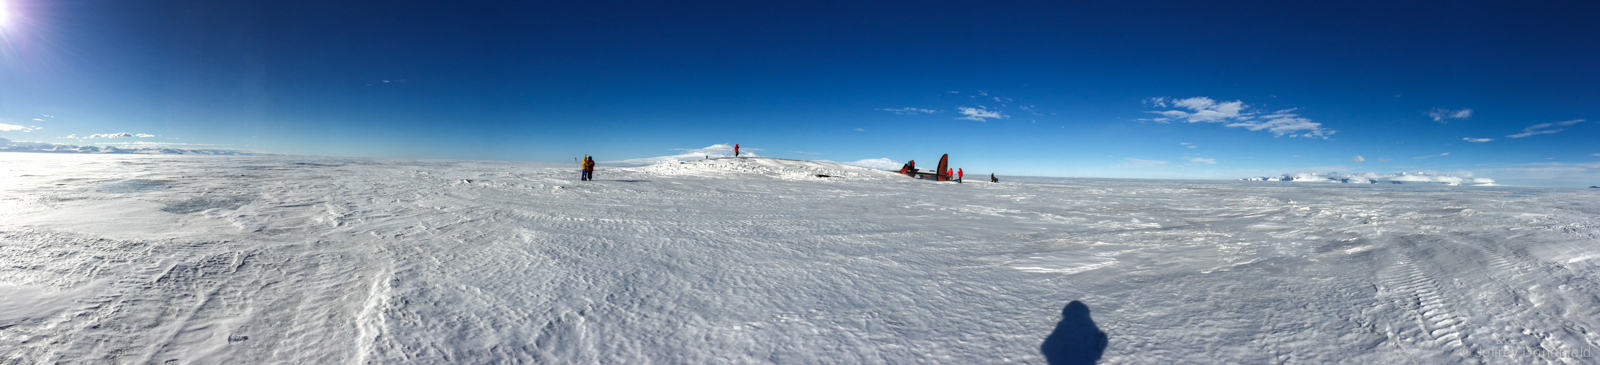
x: 588, y: 169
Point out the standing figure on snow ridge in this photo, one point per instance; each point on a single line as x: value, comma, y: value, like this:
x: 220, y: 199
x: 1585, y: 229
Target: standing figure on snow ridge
x: 588, y: 169
x: 735, y: 150
x: 960, y: 174
x: 993, y: 179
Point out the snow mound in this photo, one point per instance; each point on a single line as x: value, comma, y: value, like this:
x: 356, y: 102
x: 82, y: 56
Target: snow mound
x: 764, y: 166
x: 876, y: 163
x: 690, y: 154
x: 1372, y: 178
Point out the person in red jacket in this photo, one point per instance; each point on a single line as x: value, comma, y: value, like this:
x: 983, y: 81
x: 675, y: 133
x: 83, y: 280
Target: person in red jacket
x: 735, y: 150
x: 959, y: 175
x: 588, y: 169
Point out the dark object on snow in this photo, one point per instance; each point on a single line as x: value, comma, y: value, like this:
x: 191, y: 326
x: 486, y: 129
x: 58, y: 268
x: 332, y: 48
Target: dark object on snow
x: 993, y: 179
x: 941, y: 174
x: 1076, y: 339
x: 821, y: 175
x: 1594, y: 187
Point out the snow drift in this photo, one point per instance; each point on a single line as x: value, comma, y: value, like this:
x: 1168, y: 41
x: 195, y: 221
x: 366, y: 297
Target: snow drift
x: 1372, y: 178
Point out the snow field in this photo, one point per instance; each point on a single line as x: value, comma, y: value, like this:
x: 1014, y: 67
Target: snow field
x: 201, y: 259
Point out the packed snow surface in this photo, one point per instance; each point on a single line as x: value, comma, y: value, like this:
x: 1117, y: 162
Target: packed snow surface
x: 214, y: 259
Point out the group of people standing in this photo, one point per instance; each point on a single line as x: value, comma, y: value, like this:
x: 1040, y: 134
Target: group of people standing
x: 588, y: 169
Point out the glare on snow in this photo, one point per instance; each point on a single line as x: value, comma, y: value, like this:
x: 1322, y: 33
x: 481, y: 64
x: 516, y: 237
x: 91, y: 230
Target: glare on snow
x: 327, y: 260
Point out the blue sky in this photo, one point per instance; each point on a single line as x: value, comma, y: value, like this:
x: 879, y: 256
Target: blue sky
x: 1215, y: 90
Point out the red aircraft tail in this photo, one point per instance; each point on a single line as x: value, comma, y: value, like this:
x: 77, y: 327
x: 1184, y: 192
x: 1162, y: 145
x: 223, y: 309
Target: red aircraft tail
x: 944, y: 164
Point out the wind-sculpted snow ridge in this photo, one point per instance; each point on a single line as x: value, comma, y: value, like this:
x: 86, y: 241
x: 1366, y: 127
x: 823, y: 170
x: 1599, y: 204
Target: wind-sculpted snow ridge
x: 18, y: 146
x: 1372, y: 178
x: 302, y: 260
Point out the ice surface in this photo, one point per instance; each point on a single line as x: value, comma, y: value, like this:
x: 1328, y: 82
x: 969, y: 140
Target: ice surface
x: 214, y: 259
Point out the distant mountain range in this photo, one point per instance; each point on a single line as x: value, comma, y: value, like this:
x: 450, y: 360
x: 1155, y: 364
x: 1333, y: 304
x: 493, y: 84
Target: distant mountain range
x: 1372, y: 178
x: 7, y: 145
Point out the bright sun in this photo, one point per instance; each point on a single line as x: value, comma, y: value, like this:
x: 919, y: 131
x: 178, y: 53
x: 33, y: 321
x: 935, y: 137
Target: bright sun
x: 5, y: 14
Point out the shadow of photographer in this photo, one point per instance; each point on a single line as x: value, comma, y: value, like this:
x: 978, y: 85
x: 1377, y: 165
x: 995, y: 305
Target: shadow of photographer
x: 1076, y: 339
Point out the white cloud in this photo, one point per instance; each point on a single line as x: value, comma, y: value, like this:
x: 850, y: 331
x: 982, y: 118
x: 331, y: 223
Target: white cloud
x: 1236, y: 114
x: 1438, y: 155
x: 7, y: 128
x: 910, y: 111
x: 1441, y: 114
x: 980, y: 113
x: 1144, y: 163
x: 1476, y: 140
x: 1358, y: 158
x: 1538, y: 129
x: 1596, y: 155
x: 1208, y: 161
x: 860, y: 129
x: 38, y: 119
x: 953, y: 92
x: 984, y: 93
x: 142, y: 135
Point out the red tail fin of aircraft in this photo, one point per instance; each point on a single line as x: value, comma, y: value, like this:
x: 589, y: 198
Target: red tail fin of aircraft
x: 944, y: 164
